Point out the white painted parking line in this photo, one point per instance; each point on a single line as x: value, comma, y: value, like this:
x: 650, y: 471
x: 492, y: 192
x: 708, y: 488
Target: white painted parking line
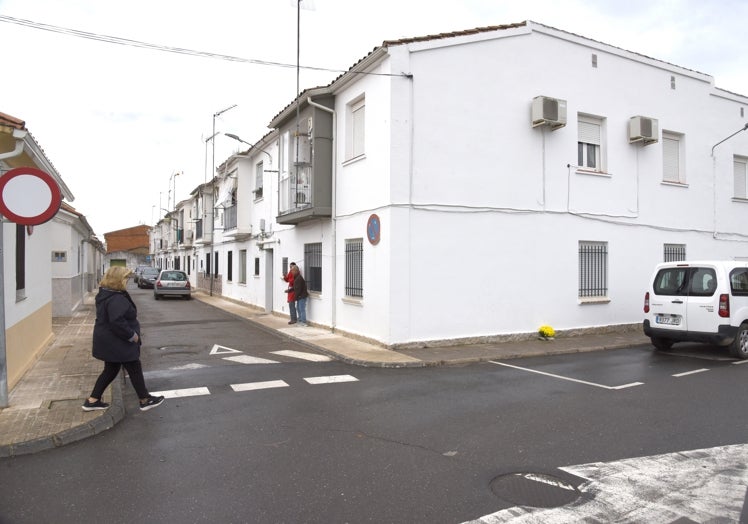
x: 179, y: 393
x: 741, y: 362
x: 690, y: 372
x: 246, y: 359
x: 624, y: 386
x: 301, y: 355
x: 251, y: 386
x: 331, y: 379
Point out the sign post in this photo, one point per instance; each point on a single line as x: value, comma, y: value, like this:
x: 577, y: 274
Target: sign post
x: 30, y: 197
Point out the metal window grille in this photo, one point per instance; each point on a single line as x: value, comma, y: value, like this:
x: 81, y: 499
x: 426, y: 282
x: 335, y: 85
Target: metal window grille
x: 674, y: 252
x: 313, y: 266
x: 257, y: 266
x: 230, y: 266
x: 284, y: 266
x: 593, y: 269
x: 354, y: 268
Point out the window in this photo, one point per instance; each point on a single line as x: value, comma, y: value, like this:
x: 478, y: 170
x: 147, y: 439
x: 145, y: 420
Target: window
x: 258, y: 181
x: 674, y: 252
x: 313, y: 265
x: 207, y: 264
x: 589, y: 143
x: 593, y: 269
x: 672, y: 158
x: 215, y: 265
x: 354, y: 267
x: 59, y: 256
x: 230, y: 266
x: 257, y: 266
x: 355, y: 127
x: 20, y: 261
x: 242, y: 266
x: 284, y: 266
x: 740, y: 170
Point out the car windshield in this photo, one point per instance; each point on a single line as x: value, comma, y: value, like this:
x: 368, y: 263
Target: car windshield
x: 173, y: 275
x: 150, y: 272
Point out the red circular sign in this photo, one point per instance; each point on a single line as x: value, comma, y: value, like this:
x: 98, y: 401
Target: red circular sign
x: 29, y: 196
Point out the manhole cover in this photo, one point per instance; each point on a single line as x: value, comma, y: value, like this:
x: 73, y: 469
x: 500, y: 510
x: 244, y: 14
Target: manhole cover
x: 534, y: 489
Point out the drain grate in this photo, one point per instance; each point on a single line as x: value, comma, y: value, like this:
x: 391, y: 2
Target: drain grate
x: 538, y: 490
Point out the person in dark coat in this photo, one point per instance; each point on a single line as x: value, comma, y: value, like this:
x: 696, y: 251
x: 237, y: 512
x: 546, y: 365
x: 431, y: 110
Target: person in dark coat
x: 116, y: 340
x: 300, y: 293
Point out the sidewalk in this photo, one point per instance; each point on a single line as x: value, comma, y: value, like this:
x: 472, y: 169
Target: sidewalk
x: 45, y: 406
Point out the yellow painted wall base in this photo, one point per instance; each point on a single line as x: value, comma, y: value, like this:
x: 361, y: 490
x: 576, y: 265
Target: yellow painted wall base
x: 25, y: 342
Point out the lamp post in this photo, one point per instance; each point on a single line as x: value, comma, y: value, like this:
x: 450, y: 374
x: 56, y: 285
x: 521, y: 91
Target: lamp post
x: 231, y: 135
x: 211, y: 261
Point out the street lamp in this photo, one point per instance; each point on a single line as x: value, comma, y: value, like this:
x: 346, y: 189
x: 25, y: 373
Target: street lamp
x: 231, y: 135
x: 211, y: 261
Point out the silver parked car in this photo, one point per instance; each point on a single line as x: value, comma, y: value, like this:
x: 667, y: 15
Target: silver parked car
x: 172, y: 283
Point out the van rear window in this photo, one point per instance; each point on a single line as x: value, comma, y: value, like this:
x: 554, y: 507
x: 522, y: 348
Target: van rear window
x: 739, y: 281
x: 685, y: 281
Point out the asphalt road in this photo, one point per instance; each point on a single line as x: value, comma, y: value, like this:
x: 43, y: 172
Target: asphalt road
x: 325, y: 442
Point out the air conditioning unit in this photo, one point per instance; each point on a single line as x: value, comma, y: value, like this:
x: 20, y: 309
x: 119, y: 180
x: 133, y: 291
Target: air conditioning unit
x: 547, y: 111
x: 643, y: 129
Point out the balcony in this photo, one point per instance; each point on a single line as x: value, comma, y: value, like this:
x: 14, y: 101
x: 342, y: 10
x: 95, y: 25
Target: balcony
x: 231, y: 230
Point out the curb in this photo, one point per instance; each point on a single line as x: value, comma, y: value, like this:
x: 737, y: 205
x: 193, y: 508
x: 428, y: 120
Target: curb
x: 106, y: 420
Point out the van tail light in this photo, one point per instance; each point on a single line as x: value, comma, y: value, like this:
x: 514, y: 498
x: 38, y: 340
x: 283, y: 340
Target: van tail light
x: 158, y: 283
x: 646, y: 302
x: 188, y: 284
x: 724, y: 305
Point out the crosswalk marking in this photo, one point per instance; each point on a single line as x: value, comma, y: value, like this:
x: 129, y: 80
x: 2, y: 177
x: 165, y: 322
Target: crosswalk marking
x: 250, y: 386
x: 331, y: 379
x: 302, y: 355
x: 178, y: 393
x: 246, y: 359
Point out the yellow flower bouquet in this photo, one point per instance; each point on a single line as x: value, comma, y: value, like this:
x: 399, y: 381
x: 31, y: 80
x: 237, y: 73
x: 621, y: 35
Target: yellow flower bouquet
x: 546, y: 332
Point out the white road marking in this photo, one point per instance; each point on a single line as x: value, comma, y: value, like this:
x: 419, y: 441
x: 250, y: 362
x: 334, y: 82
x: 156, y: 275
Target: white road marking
x: 188, y: 366
x: 221, y: 350
x: 543, y: 480
x: 741, y: 362
x: 246, y: 359
x: 251, y: 386
x: 624, y: 386
x: 331, y: 379
x: 178, y: 393
x: 302, y: 355
x: 705, y: 485
x: 690, y: 372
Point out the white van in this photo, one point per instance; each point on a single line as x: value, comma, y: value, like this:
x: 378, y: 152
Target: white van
x: 698, y: 302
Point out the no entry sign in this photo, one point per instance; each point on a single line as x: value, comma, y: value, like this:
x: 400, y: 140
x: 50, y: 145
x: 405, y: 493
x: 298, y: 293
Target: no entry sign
x: 29, y: 196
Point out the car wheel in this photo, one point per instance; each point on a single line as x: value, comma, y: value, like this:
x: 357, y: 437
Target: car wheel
x: 188, y: 297
x: 663, y: 344
x: 155, y: 295
x: 739, y: 346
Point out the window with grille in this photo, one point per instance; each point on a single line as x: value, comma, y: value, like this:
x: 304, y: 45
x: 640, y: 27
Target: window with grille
x: 230, y: 266
x: 257, y: 266
x: 215, y: 264
x: 593, y: 269
x: 284, y: 266
x: 589, y: 143
x: 672, y: 158
x: 354, y: 267
x: 313, y: 266
x: 674, y: 252
x: 740, y: 177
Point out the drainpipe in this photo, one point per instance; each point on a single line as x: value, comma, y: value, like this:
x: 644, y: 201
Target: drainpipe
x: 333, y: 307
x: 19, y: 135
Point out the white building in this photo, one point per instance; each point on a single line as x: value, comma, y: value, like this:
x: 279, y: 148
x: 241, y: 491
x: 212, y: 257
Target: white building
x: 27, y: 262
x: 482, y: 183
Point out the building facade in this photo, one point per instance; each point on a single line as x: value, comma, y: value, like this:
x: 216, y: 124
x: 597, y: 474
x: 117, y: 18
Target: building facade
x: 479, y: 184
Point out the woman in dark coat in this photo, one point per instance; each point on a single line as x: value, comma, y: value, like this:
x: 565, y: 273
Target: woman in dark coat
x: 116, y: 340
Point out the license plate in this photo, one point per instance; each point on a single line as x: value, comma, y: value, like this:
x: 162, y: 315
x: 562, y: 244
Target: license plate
x: 174, y: 284
x: 671, y: 321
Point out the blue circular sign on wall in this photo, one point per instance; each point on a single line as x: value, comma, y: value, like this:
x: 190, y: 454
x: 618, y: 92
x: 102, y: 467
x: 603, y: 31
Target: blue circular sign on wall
x: 373, y: 229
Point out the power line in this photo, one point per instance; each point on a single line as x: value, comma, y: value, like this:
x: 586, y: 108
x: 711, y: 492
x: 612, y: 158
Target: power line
x: 167, y: 49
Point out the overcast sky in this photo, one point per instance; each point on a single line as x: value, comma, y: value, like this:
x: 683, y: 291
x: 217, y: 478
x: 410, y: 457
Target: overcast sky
x: 117, y: 121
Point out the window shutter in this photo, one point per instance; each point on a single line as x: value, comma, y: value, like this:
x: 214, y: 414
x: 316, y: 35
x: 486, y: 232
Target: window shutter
x: 739, y: 169
x: 589, y: 133
x: 671, y: 159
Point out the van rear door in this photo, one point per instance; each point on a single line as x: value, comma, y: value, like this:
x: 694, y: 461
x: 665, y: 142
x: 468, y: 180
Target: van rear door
x: 703, y: 300
x: 670, y: 296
